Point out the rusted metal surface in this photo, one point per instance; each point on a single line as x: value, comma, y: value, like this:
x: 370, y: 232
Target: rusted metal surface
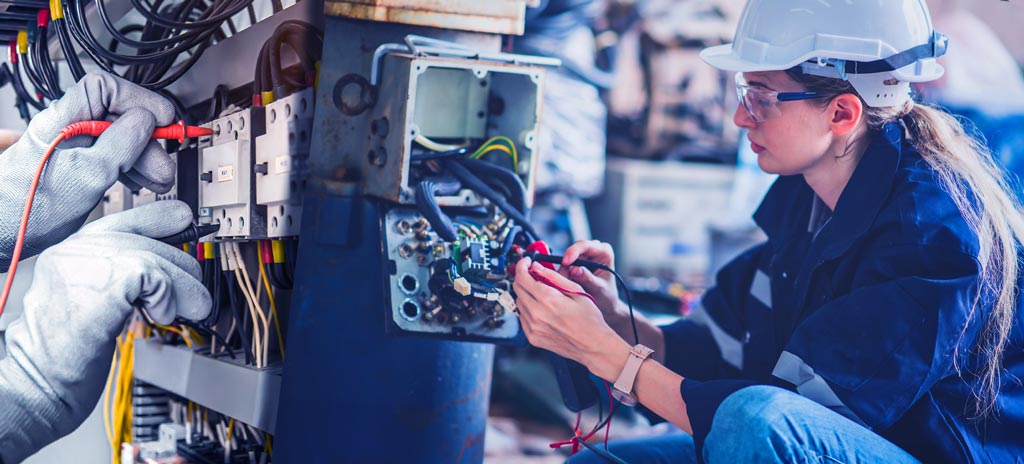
x: 493, y: 16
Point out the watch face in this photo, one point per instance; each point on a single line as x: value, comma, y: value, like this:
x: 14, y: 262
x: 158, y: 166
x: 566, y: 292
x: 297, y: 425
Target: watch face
x: 626, y: 399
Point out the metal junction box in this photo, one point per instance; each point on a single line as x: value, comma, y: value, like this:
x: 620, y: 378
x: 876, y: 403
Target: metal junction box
x: 446, y: 99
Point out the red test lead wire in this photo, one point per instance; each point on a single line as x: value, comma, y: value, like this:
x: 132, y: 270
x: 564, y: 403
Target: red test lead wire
x: 177, y: 131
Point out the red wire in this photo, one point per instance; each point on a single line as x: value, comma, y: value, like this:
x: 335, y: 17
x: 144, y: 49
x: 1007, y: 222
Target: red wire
x: 20, y: 243
x: 552, y: 284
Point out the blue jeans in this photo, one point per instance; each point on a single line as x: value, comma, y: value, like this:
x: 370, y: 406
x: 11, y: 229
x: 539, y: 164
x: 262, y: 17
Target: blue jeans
x: 764, y: 425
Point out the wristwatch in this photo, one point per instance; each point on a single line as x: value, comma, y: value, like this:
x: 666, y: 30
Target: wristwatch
x: 623, y: 388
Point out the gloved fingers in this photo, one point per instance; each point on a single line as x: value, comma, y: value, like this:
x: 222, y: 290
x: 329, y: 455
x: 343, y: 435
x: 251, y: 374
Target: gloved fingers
x: 115, y: 151
x: 114, y: 242
x: 93, y: 98
x: 187, y: 297
x: 155, y: 220
x: 128, y: 182
x: 164, y: 289
x: 154, y: 169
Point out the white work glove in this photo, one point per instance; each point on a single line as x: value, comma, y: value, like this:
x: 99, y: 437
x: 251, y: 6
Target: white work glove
x: 59, y: 352
x: 76, y: 177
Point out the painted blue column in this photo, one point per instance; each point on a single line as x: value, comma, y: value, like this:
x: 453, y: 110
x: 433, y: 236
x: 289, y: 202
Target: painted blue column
x: 351, y: 393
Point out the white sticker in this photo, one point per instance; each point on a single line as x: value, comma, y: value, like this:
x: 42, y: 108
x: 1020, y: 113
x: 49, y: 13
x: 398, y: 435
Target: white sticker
x: 225, y: 173
x: 282, y: 164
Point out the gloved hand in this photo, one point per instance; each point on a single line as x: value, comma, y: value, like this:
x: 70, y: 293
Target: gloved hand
x: 58, y: 353
x: 75, y: 179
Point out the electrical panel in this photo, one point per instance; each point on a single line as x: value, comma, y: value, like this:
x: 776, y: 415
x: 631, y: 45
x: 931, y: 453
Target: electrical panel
x: 226, y: 176
x: 281, y: 162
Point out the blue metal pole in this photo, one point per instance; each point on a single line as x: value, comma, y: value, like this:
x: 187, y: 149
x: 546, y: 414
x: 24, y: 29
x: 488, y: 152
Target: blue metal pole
x: 351, y: 393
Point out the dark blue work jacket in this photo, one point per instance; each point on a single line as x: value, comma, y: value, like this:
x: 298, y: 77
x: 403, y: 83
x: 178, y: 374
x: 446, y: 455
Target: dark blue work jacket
x: 862, y: 311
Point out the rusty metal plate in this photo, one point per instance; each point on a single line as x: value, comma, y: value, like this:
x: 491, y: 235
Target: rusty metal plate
x: 492, y: 16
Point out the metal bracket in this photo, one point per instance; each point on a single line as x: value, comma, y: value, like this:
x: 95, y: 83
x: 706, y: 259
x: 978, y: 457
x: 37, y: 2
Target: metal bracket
x: 425, y: 46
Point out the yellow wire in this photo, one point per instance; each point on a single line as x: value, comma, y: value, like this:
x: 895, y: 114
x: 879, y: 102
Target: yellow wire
x: 122, y: 396
x: 231, y: 430
x: 168, y: 328
x: 490, y: 145
x: 106, y: 398
x: 273, y: 308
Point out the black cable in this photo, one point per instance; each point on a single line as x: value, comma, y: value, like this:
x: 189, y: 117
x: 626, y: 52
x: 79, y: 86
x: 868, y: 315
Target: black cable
x: 427, y: 155
x: 491, y: 172
x: 252, y: 14
x: 204, y: 330
x: 233, y: 8
x: 41, y: 58
x: 19, y: 88
x: 607, y: 456
x: 426, y: 202
x: 298, y: 36
x: 33, y: 77
x: 68, y: 48
x: 286, y: 277
x: 472, y: 182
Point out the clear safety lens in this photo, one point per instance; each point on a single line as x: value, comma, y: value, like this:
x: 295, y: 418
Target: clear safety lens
x: 760, y: 104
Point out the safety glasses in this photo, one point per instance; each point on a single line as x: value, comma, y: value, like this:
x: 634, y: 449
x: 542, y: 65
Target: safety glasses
x: 763, y: 104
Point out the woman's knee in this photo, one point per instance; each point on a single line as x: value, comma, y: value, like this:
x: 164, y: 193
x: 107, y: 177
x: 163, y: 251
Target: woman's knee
x: 751, y: 424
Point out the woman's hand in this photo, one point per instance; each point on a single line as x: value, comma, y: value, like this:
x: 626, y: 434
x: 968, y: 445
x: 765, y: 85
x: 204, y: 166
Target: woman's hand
x: 599, y: 284
x: 565, y: 324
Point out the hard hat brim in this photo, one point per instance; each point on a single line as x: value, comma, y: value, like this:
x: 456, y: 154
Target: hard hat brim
x: 724, y: 58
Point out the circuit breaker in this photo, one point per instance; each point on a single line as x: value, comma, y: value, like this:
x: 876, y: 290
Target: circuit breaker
x: 281, y: 162
x: 226, y: 170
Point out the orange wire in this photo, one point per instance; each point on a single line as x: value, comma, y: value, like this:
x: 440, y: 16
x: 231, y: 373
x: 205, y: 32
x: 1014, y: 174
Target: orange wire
x: 20, y: 243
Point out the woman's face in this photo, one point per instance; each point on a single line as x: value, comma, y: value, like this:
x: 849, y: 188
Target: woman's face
x: 797, y: 134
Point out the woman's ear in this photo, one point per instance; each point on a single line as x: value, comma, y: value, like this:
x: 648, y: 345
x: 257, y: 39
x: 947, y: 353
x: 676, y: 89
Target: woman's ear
x: 846, y: 111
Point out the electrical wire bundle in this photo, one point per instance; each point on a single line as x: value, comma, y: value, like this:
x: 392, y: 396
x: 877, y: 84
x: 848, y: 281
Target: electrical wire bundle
x: 279, y: 269
x: 249, y: 318
x: 171, y: 31
x: 272, y: 80
x: 217, y: 438
x: 460, y: 169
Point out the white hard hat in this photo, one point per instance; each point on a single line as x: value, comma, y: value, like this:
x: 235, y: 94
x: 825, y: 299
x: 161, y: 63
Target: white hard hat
x: 867, y: 42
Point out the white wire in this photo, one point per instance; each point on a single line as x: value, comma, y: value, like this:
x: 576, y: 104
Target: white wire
x: 259, y: 307
x: 261, y: 342
x: 256, y: 337
x: 435, y: 146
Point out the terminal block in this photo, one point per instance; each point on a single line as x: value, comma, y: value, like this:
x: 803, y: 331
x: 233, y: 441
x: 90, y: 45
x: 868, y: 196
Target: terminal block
x: 281, y: 156
x: 456, y: 289
x: 226, y: 163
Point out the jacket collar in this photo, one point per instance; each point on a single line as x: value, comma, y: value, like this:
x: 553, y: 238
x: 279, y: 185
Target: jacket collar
x: 784, y: 213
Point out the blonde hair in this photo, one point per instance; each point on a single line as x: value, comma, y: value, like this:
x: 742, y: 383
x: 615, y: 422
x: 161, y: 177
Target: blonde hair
x: 977, y: 184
